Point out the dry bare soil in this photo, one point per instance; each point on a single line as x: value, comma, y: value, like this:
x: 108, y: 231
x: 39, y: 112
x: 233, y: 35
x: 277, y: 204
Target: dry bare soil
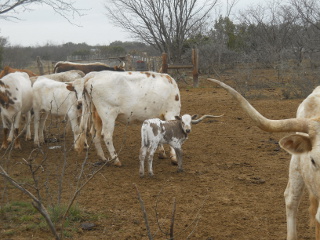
x: 231, y: 188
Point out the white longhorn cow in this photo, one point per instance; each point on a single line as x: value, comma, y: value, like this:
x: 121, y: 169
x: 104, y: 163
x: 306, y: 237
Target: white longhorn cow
x: 15, y: 100
x: 57, y: 98
x: 126, y: 97
x: 304, y: 146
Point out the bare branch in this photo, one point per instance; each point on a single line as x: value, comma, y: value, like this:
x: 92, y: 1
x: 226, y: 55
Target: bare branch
x: 144, y: 212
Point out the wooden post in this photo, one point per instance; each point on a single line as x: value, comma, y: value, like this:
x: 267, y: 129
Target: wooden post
x: 195, y: 63
x: 40, y: 65
x: 164, y: 68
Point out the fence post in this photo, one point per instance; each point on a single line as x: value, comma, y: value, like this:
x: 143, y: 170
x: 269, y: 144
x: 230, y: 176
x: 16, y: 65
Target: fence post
x: 195, y: 63
x: 40, y: 65
x: 164, y: 68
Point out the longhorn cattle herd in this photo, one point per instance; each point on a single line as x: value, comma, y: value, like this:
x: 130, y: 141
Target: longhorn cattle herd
x: 94, y: 97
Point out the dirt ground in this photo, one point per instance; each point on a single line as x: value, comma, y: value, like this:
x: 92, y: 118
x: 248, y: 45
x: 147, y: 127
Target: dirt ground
x: 231, y: 188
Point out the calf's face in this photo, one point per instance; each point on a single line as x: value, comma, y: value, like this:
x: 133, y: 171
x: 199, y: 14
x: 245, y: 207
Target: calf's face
x: 186, y: 122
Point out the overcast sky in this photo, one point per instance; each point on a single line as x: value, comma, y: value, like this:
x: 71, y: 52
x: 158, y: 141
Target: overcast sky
x: 43, y: 25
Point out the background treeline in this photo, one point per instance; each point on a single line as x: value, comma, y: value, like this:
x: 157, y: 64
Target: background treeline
x: 281, y: 37
x: 226, y: 44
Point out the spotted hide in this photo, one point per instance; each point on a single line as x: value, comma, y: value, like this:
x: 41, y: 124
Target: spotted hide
x: 15, y: 100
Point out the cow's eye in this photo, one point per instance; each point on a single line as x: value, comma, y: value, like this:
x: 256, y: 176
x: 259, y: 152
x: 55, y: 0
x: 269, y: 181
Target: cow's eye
x: 313, y: 162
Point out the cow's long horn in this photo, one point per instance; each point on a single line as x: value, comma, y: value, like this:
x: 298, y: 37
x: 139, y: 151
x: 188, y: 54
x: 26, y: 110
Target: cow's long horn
x: 203, y: 117
x: 285, y: 125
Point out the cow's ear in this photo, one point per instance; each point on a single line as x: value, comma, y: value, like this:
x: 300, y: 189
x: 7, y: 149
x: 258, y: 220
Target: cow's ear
x: 194, y: 116
x: 296, y: 144
x: 70, y: 87
x: 177, y: 117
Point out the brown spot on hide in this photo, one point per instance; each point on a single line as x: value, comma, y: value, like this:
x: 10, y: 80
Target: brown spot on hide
x: 130, y: 73
x: 173, y: 128
x: 2, y: 84
x: 153, y: 75
x: 155, y: 129
x: 177, y: 97
x: 8, y: 93
x: 148, y: 74
x: 169, y: 79
x: 5, y: 100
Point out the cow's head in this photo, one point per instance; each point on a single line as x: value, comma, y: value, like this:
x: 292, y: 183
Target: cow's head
x: 77, y: 86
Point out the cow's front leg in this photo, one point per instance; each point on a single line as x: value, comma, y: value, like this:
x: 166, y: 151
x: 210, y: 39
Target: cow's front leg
x: 292, y: 196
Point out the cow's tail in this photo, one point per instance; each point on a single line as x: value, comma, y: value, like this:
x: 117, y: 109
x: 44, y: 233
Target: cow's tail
x: 81, y: 142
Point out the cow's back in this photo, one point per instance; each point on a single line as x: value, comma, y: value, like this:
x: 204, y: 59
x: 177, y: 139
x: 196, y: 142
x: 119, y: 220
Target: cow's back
x: 135, y: 95
x: 51, y: 95
x: 17, y: 87
x: 310, y: 107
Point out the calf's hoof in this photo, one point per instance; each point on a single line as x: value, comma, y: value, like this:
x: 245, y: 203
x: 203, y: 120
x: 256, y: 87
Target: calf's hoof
x: 180, y: 170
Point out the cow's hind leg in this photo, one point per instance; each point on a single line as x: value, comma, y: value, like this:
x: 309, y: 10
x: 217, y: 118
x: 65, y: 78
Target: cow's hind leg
x: 293, y: 194
x: 95, y: 131
x: 108, y: 124
x: 28, y: 129
x: 16, y: 126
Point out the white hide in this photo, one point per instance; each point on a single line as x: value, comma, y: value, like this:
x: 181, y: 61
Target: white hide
x: 53, y: 97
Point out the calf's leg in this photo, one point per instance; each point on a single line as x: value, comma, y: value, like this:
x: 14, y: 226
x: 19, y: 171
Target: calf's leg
x: 142, y: 156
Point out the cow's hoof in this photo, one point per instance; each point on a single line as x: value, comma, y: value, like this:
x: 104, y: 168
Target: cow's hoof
x: 180, y: 170
x: 174, y: 162
x: 117, y: 164
x: 162, y: 155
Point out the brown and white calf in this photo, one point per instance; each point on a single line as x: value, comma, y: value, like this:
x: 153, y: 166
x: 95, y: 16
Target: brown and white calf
x: 15, y: 100
x: 173, y: 132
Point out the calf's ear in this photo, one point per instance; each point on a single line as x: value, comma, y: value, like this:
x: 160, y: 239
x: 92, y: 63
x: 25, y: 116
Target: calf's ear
x: 194, y: 116
x: 177, y: 117
x: 296, y: 144
x: 70, y: 87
